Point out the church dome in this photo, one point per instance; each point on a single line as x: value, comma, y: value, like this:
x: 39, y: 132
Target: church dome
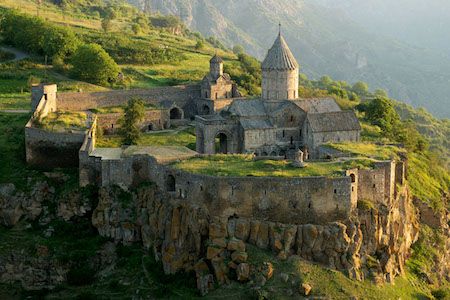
x: 279, y: 57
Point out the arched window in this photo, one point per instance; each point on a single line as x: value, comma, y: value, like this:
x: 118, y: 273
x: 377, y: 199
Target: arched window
x: 170, y: 183
x: 353, y: 177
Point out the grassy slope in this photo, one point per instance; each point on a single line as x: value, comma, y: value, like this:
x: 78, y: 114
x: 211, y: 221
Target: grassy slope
x: 14, y: 77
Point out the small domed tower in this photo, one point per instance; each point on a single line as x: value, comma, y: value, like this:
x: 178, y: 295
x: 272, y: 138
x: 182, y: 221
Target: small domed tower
x: 216, y: 66
x: 279, y: 73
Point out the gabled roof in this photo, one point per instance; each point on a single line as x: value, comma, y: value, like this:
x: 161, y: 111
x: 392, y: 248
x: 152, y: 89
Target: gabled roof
x: 249, y: 124
x: 279, y: 57
x: 334, y: 121
x: 248, y: 108
x: 317, y: 105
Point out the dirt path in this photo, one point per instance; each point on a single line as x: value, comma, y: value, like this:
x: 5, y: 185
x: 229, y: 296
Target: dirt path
x: 15, y: 111
x: 19, y: 54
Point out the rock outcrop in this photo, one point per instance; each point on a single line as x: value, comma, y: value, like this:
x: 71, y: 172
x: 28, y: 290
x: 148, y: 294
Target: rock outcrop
x: 374, y: 243
x: 15, y: 205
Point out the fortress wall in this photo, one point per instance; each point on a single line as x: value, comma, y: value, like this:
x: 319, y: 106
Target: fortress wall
x: 292, y: 200
x: 52, y: 149
x: 158, y: 119
x: 371, y: 185
x: 87, y: 100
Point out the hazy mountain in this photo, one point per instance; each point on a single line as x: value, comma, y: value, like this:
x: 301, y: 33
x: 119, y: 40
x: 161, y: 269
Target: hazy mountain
x: 334, y: 38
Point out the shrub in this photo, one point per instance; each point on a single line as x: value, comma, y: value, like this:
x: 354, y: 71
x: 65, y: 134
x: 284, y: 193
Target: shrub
x: 91, y: 63
x: 36, y: 35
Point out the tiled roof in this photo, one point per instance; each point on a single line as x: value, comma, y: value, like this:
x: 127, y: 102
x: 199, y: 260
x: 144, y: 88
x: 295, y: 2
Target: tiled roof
x: 317, y: 105
x: 334, y: 121
x: 279, y: 57
x: 248, y: 108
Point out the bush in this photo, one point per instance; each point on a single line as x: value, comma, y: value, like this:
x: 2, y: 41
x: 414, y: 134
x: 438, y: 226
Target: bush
x: 81, y: 275
x: 200, y: 45
x: 37, y: 36
x: 5, y: 56
x: 91, y: 63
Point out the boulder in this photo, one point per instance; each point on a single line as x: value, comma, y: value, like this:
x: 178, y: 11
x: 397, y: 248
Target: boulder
x: 239, y: 256
x: 243, y: 272
x: 236, y: 245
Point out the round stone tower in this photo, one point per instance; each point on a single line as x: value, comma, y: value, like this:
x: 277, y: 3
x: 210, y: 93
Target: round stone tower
x: 279, y: 73
x: 216, y: 66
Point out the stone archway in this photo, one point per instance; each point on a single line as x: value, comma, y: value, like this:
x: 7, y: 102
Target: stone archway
x: 176, y: 114
x: 221, y: 143
x: 206, y: 110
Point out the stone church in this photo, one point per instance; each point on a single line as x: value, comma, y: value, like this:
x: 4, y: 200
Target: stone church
x: 279, y: 123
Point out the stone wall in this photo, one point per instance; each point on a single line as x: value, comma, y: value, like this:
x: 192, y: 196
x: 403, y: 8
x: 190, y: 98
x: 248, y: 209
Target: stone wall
x: 181, y: 95
x: 46, y: 149
x: 157, y: 119
x: 208, y: 129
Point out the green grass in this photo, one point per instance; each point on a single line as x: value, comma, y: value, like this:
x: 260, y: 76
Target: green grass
x: 428, y: 179
x: 370, y: 150
x: 11, y: 101
x: 327, y: 283
x: 13, y: 168
x: 63, y: 121
x: 244, y: 165
x: 183, y: 137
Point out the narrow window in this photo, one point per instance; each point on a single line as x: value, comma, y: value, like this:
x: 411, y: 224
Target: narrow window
x: 112, y: 126
x: 292, y: 140
x: 284, y: 133
x: 335, y: 191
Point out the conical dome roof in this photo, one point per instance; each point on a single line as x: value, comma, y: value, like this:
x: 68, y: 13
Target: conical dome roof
x: 279, y: 57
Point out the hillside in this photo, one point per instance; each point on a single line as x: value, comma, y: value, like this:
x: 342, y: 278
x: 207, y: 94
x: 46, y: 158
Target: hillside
x: 326, y: 41
x: 62, y: 254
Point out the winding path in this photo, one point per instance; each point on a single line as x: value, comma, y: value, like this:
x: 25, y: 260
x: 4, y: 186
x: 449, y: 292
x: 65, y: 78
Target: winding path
x: 19, y: 54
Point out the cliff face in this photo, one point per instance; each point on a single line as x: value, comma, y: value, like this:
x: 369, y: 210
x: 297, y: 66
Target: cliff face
x: 375, y: 243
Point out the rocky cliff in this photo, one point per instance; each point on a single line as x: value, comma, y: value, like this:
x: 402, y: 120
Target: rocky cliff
x: 374, y: 243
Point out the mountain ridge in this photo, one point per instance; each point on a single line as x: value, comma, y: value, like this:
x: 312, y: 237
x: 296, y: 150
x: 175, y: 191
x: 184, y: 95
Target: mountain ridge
x: 324, y: 41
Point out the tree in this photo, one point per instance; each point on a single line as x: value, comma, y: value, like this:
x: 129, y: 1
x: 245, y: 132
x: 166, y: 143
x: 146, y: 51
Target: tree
x: 93, y: 64
x: 381, y: 112
x: 59, y: 41
x: 325, y: 81
x: 136, y: 28
x: 380, y: 93
x: 200, y: 45
x: 360, y: 88
x: 106, y: 24
x: 134, y: 113
x: 238, y: 49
